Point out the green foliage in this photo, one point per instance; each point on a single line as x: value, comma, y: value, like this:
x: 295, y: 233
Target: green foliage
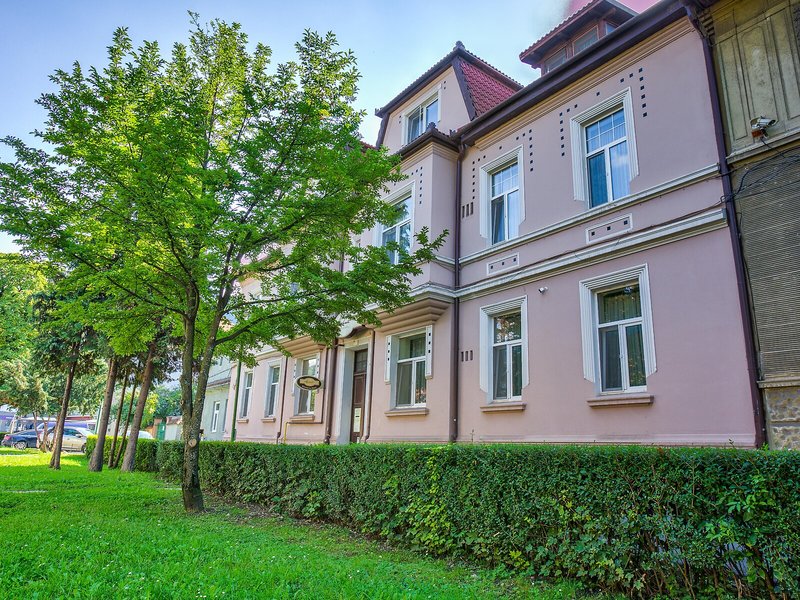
x: 213, y: 195
x: 643, y: 521
x: 125, y: 536
x: 146, y: 449
x: 20, y: 279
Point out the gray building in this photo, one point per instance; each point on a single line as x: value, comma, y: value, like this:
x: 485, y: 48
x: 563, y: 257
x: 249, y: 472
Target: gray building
x: 757, y: 61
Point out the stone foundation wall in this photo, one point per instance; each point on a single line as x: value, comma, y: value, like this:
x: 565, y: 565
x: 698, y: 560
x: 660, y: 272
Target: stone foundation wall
x: 782, y: 405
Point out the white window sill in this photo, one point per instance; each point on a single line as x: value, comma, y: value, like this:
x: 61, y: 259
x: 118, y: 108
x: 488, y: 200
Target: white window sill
x: 242, y: 420
x: 634, y: 399
x: 504, y: 406
x: 407, y: 412
x: 304, y: 418
x: 268, y: 420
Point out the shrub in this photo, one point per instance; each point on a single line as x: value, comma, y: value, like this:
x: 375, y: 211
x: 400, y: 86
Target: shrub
x: 644, y: 521
x: 146, y: 449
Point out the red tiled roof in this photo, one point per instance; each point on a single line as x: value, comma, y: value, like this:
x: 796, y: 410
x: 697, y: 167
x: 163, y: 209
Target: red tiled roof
x: 485, y: 91
x: 459, y: 51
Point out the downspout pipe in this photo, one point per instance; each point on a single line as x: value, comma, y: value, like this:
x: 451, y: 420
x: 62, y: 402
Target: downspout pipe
x: 330, y: 386
x: 371, y: 381
x: 456, y: 338
x: 234, y: 414
x: 733, y: 229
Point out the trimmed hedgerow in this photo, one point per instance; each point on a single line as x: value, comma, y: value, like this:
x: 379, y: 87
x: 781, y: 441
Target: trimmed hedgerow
x: 146, y: 449
x: 643, y: 521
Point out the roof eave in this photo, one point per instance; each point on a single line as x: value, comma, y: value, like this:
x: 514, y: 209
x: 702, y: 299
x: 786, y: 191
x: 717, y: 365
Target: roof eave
x: 627, y: 35
x: 431, y: 135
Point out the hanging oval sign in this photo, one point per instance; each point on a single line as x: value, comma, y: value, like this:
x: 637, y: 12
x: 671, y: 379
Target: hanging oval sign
x: 309, y: 382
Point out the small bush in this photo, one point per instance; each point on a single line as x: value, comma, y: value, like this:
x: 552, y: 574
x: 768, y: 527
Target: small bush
x: 644, y: 521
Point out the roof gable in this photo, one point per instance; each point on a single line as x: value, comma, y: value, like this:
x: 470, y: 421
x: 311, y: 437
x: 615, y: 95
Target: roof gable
x: 482, y: 86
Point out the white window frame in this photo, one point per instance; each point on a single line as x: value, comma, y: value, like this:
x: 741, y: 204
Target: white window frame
x: 268, y: 387
x: 393, y: 353
x: 487, y: 315
x: 407, y: 221
x: 414, y: 361
x: 312, y: 394
x: 578, y: 125
x: 215, y: 409
x: 397, y: 196
x: 421, y: 106
x: 246, y: 395
x: 486, y: 173
x: 589, y: 289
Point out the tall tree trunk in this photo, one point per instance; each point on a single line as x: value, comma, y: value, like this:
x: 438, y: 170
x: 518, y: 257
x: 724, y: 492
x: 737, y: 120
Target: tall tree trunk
x: 35, y: 430
x: 147, y: 378
x: 125, y: 429
x: 190, y: 477
x: 96, y: 462
x: 55, y: 459
x: 119, y: 417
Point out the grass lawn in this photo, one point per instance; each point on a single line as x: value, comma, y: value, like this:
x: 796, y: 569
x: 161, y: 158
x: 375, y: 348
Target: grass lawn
x: 75, y: 534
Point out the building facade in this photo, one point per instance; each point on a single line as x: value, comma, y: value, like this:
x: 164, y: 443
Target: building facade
x: 588, y: 288
x: 755, y: 46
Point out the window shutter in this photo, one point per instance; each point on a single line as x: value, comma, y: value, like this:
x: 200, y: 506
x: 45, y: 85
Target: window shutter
x: 429, y: 351
x: 387, y: 376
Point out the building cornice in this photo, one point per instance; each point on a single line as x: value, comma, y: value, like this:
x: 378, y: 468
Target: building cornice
x: 629, y: 244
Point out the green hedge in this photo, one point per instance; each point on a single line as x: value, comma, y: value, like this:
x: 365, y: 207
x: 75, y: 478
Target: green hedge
x: 643, y: 521
x: 145, y: 451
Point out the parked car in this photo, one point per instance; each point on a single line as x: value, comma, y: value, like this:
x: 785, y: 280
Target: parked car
x: 21, y: 439
x: 74, y: 439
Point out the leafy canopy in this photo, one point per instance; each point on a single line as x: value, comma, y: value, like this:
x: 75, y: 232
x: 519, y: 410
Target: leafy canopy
x: 209, y: 188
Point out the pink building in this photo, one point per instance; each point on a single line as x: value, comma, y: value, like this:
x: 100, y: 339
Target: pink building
x: 587, y: 291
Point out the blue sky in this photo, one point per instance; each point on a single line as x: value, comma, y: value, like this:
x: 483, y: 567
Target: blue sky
x: 394, y: 43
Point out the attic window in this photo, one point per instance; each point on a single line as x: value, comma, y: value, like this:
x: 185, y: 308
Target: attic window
x: 587, y: 39
x: 418, y: 118
x: 554, y: 60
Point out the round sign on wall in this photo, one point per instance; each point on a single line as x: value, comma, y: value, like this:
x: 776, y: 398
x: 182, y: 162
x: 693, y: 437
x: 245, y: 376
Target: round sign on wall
x: 309, y: 382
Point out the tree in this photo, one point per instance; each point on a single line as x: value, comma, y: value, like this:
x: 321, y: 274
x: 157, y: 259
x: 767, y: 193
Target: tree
x: 220, y: 195
x: 65, y: 348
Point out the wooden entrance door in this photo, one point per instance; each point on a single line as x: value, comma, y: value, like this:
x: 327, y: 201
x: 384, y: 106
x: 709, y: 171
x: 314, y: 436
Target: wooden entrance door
x: 359, y: 395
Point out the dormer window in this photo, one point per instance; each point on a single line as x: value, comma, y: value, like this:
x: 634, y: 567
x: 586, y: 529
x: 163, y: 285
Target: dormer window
x: 418, y: 119
x: 581, y: 31
x: 555, y: 60
x: 581, y: 43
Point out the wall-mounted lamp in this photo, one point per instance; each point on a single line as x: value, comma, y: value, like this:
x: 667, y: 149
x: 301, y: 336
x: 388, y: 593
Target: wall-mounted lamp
x: 542, y: 290
x: 759, y: 126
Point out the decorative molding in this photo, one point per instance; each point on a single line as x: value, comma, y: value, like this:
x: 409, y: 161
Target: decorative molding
x: 598, y: 211
x: 621, y: 400
x: 309, y: 418
x: 636, y: 242
x: 407, y: 412
x: 503, y: 264
x: 499, y: 406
